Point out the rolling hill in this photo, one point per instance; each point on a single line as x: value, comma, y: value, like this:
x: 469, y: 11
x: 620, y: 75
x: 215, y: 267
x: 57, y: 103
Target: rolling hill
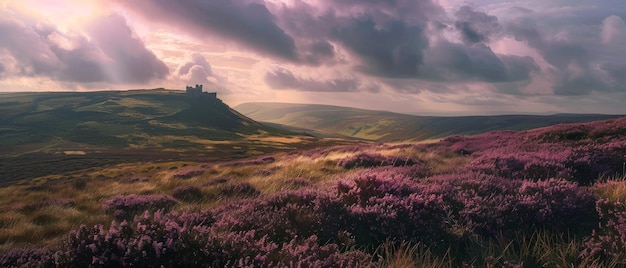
x: 388, y: 126
x: 116, y: 119
x: 47, y: 133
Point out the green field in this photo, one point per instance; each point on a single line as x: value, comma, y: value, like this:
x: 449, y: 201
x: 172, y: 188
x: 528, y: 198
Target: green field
x: 388, y: 126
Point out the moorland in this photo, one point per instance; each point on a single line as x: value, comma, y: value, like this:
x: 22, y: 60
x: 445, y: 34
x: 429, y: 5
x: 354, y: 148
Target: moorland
x: 385, y: 126
x: 269, y: 197
x: 58, y: 132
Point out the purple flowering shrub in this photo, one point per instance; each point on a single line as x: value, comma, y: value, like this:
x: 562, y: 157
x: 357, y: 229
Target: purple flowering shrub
x: 182, y: 240
x: 124, y: 207
x: 597, y: 160
x: 313, y: 228
x: 286, y: 215
x: 581, y: 153
x: 27, y: 257
x: 609, y: 240
x: 374, y: 160
x: 414, y: 218
x: 169, y: 239
x: 245, y: 249
x: 522, y: 165
x: 489, y: 205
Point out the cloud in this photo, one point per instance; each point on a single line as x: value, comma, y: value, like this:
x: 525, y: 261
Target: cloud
x: 394, y: 49
x: 196, y: 60
x: 282, y: 78
x: 25, y: 43
x: 130, y: 58
x: 613, y: 30
x: 581, y: 59
x: 449, y: 62
x: 617, y: 73
x: 475, y: 26
x: 318, y: 52
x: 197, y: 71
x: 249, y: 23
x: 109, y: 54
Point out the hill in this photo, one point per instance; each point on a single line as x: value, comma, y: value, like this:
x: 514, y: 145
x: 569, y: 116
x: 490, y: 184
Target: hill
x: 44, y: 133
x: 388, y: 126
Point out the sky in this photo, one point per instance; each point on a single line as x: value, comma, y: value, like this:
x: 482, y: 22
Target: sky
x: 428, y: 57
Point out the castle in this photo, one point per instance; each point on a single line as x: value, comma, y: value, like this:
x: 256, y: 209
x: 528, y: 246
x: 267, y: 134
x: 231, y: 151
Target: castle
x: 197, y: 94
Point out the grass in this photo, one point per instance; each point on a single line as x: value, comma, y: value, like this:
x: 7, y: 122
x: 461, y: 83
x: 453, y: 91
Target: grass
x: 537, y: 249
x: 412, y: 255
x: 612, y: 190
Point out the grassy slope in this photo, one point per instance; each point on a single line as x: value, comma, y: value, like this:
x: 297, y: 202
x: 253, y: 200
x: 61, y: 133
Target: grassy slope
x: 44, y: 133
x: 388, y: 126
x: 115, y: 119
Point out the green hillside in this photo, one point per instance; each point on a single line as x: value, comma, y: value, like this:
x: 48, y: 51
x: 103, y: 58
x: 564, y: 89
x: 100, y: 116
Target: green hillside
x: 388, y: 126
x: 49, y: 133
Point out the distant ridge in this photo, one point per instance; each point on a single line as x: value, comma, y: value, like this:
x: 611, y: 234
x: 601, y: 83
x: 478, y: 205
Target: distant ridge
x: 389, y: 126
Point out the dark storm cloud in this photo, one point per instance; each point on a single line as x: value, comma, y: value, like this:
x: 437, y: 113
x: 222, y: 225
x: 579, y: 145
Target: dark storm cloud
x: 574, y: 59
x: 617, y: 72
x: 111, y: 55
x: 391, y: 50
x: 558, y: 52
x: 476, y: 26
x: 449, y: 61
x: 318, y: 52
x: 416, y: 12
x: 322, y: 48
x: 284, y: 79
x: 249, y: 23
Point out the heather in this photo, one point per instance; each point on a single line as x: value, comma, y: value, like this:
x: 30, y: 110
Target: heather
x: 312, y: 227
x: 126, y: 206
x: 550, y: 197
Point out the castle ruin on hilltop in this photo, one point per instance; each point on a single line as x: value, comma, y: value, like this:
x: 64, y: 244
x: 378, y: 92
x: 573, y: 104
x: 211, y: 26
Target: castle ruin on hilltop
x: 196, y: 95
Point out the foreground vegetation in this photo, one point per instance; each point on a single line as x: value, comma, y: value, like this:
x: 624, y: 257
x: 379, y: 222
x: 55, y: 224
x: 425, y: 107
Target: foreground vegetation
x: 550, y: 197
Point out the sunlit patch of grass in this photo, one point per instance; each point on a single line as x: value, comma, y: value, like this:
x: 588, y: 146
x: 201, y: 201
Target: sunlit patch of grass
x: 275, y: 139
x: 411, y: 255
x: 315, y: 171
x: 537, y: 249
x: 612, y: 190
